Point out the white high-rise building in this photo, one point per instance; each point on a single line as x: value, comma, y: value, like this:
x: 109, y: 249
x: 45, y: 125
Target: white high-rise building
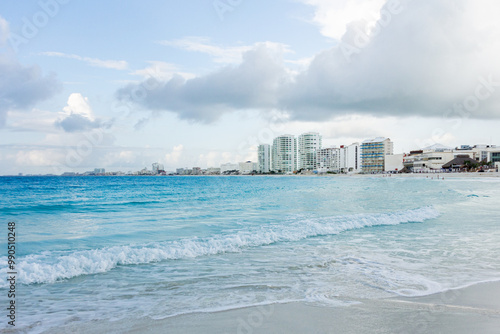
x: 284, y: 154
x: 328, y: 160
x: 264, y: 158
x: 350, y: 158
x: 308, y: 144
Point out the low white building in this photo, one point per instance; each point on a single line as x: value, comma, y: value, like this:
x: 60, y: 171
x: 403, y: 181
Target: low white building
x: 432, y: 161
x: 394, y: 162
x: 213, y: 171
x: 248, y: 167
x: 229, y: 167
x: 432, y: 158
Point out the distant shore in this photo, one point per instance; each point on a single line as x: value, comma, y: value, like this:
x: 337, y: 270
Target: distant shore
x: 421, y: 175
x: 434, y: 175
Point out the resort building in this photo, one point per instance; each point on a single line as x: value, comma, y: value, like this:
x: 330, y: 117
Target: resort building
x: 350, y: 158
x: 264, y: 158
x: 438, y: 157
x: 373, y: 152
x: 328, y: 160
x: 308, y: 144
x: 248, y: 167
x: 487, y: 153
x: 213, y: 171
x: 229, y: 167
x: 284, y: 154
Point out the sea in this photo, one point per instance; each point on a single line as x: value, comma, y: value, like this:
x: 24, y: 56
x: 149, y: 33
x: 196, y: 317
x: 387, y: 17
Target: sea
x: 135, y: 248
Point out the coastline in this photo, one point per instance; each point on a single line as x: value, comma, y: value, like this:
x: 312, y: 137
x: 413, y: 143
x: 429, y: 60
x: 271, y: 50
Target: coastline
x: 435, y: 175
x: 474, y: 308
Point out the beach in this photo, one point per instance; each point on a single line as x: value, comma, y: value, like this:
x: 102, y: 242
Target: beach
x: 473, y: 309
x: 361, y: 254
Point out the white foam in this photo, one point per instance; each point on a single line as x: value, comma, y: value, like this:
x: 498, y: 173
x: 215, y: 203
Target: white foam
x: 50, y: 267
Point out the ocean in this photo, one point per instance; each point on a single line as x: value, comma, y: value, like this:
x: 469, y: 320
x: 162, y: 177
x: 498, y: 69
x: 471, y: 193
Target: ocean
x: 115, y: 248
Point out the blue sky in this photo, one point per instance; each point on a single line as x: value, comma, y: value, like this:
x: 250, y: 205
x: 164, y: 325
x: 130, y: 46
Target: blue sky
x: 120, y: 85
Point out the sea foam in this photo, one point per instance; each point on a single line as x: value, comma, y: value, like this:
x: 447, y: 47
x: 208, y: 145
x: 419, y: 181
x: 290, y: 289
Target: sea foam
x: 50, y: 267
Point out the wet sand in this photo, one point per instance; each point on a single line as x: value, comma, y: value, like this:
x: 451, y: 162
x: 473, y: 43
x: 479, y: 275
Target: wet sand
x: 474, y: 309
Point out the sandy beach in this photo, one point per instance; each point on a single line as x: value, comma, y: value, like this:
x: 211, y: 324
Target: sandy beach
x: 473, y: 309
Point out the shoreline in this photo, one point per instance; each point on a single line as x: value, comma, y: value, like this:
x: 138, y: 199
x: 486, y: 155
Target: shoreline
x: 474, y: 308
x: 421, y: 175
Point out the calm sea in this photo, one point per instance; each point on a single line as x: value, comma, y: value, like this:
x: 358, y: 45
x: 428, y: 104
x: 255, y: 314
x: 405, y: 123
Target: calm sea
x: 91, y: 248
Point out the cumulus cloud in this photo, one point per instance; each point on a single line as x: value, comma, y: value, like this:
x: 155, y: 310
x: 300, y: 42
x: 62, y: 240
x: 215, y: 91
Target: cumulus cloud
x: 426, y: 57
x: 174, y: 156
x: 78, y: 116
x: 111, y: 64
x: 23, y: 86
x: 413, y: 58
x: 333, y: 17
x: 252, y: 84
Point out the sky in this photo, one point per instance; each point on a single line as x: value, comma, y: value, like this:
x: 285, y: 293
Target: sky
x: 122, y: 84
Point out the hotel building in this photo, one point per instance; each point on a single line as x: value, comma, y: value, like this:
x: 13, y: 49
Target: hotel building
x: 328, y: 160
x: 350, y: 158
x: 373, y: 152
x: 284, y: 154
x: 308, y: 144
x: 264, y: 158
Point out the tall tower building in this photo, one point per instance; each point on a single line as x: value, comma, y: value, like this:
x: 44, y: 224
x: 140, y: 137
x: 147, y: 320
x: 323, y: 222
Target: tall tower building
x: 308, y: 145
x: 264, y: 158
x: 284, y: 154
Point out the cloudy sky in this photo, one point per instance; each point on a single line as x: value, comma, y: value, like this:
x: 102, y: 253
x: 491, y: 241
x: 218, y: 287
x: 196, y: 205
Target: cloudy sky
x: 120, y: 85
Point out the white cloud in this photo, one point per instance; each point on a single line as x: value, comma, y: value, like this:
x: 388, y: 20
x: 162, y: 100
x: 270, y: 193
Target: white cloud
x: 111, y: 64
x: 78, y: 116
x: 415, y: 63
x: 251, y: 84
x: 39, y: 158
x: 333, y: 16
x: 34, y: 120
x: 221, y: 54
x: 22, y: 86
x: 79, y: 105
x: 173, y: 157
x: 162, y: 71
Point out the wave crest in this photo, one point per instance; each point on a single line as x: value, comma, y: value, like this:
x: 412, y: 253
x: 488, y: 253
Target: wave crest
x: 50, y: 267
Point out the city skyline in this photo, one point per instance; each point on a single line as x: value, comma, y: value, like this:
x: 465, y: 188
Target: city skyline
x: 200, y: 84
x: 290, y: 154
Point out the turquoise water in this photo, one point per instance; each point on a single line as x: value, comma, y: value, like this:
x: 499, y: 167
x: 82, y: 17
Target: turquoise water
x: 112, y: 248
